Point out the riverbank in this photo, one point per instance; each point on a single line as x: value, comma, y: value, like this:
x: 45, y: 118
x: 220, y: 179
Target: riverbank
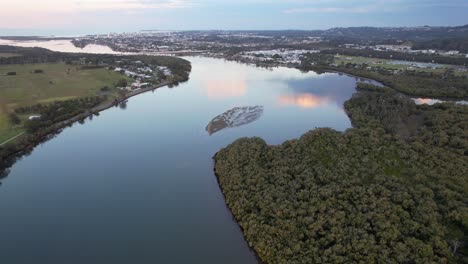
x: 233, y: 170
x: 107, y: 105
x: 405, y: 87
x: 34, y: 140
x: 234, y: 218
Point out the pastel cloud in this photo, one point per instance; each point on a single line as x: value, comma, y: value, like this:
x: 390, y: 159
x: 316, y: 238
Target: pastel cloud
x: 53, y: 6
x: 63, y: 13
x: 328, y: 10
x: 92, y: 16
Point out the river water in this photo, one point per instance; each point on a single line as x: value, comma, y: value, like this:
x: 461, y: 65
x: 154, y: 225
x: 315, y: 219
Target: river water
x: 136, y: 184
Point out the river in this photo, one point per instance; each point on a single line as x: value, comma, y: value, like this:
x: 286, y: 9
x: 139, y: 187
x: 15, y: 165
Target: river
x: 136, y: 184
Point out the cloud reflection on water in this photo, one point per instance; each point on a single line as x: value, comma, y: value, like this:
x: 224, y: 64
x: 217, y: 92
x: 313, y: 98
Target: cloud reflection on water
x: 222, y: 89
x: 304, y: 100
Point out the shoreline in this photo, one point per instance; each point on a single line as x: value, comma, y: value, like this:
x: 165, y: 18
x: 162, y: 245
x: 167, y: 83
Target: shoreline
x: 108, y: 105
x: 236, y: 221
x: 56, y: 128
x: 104, y: 106
x: 326, y: 69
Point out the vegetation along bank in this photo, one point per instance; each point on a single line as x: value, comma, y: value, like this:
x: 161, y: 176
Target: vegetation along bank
x: 43, y: 91
x: 393, y: 188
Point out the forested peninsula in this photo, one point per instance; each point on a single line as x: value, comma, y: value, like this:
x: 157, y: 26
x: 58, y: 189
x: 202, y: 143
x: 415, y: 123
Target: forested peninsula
x: 392, y: 189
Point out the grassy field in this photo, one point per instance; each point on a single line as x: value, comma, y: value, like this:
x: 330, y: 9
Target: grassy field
x: 57, y: 82
x: 383, y: 63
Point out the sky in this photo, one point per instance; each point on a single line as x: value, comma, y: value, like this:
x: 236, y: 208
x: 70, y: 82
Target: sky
x: 71, y: 17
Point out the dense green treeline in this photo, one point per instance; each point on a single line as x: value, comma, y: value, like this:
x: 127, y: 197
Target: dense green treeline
x: 441, y: 125
x: 386, y: 191
x: 50, y: 114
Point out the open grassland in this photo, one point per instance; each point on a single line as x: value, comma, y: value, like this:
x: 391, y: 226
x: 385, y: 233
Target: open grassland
x: 387, y: 64
x: 56, y: 82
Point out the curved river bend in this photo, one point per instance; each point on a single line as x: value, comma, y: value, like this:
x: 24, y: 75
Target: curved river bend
x: 136, y: 185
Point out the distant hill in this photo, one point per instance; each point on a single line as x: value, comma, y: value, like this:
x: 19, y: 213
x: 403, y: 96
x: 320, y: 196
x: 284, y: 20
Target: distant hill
x: 397, y: 33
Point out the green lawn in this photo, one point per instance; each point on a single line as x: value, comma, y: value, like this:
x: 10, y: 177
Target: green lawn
x: 59, y: 81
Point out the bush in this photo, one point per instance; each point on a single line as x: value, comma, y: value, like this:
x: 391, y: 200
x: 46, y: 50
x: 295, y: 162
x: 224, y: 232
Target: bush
x: 14, y: 119
x: 122, y: 83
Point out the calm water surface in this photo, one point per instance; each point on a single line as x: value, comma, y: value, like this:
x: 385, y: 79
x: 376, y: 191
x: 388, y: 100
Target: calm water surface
x: 136, y: 185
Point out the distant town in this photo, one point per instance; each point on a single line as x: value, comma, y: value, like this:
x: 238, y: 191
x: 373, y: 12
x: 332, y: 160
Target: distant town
x: 395, y: 49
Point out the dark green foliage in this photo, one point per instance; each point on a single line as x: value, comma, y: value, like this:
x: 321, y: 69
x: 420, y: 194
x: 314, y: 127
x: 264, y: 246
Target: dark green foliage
x: 38, y: 71
x: 372, y: 108
x: 360, y: 196
x: 445, y: 125
x: 121, y: 83
x: 14, y: 119
x: 442, y: 125
x: 53, y: 113
x: 105, y: 89
x: 317, y: 59
x: 11, y: 73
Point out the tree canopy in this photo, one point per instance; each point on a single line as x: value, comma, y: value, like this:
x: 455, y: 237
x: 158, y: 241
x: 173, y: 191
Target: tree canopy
x: 371, y: 194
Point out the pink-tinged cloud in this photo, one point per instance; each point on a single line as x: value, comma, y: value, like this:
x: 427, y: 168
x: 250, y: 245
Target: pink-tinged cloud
x: 63, y: 13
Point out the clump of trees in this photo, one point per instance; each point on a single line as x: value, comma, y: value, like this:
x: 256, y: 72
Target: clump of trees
x: 53, y: 113
x: 382, y: 107
x: 316, y: 58
x: 371, y: 194
x: 442, y: 124
x: 122, y: 82
x: 14, y: 119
